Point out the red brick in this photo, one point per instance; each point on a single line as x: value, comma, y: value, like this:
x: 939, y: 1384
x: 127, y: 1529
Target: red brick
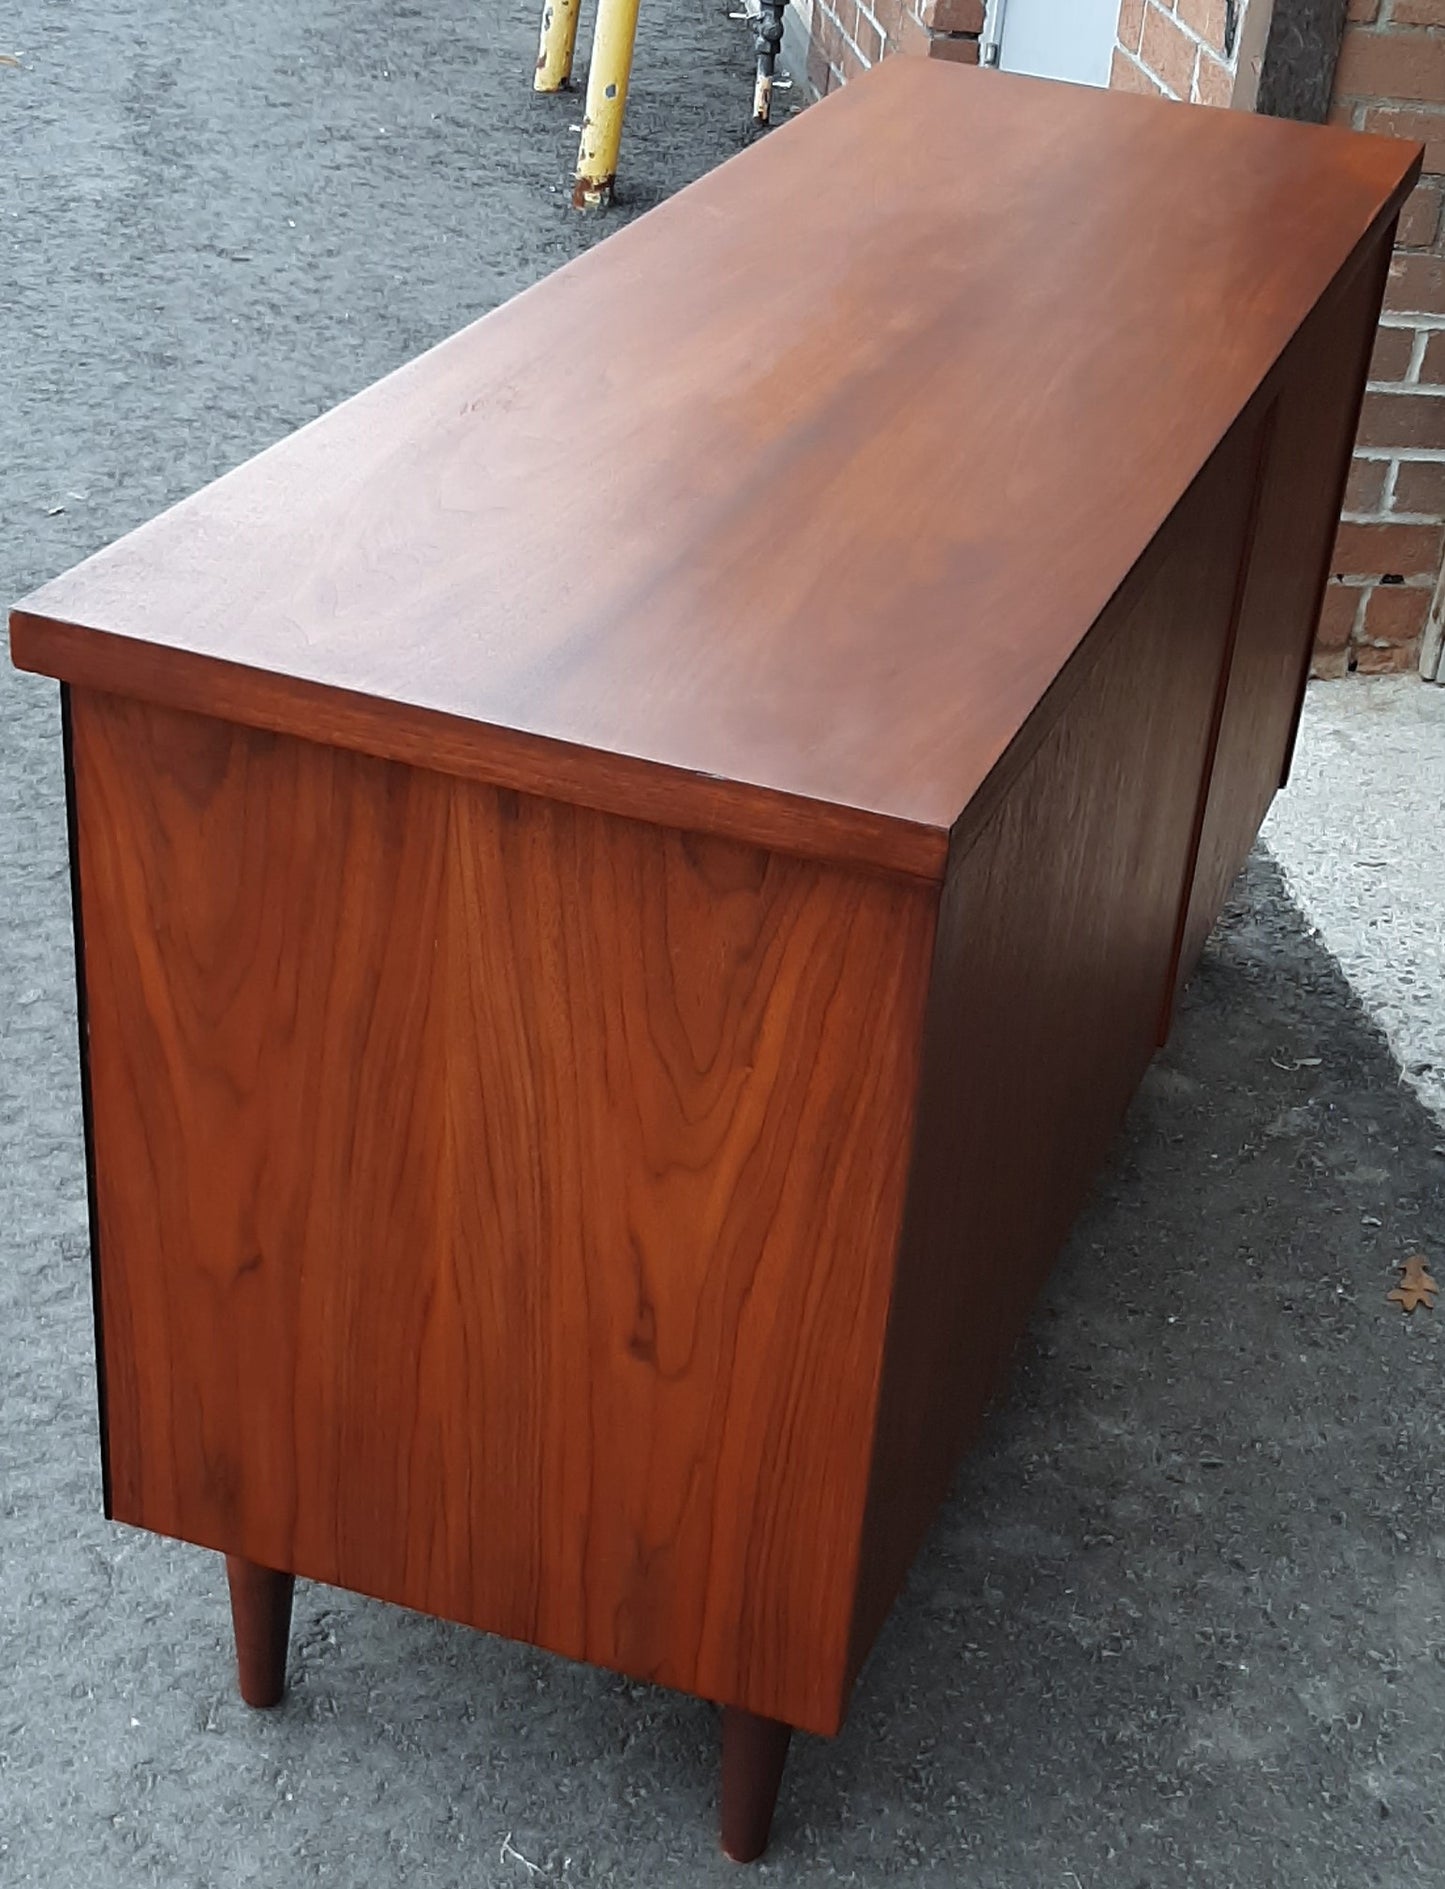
x: 826, y: 30
x: 1393, y: 659
x: 1131, y: 24
x: 1337, y: 618
x: 1416, y: 285
x: 851, y: 62
x: 1403, y: 420
x: 868, y: 37
x: 890, y: 16
x: 1432, y: 366
x: 828, y: 39
x: 1329, y: 665
x: 1396, y: 613
x: 1387, y: 550
x: 1168, y: 52
x: 1391, y: 358
x: 1420, y: 487
x: 914, y: 37
x: 1420, y: 218
x: 1419, y: 126
x: 1213, y: 82
x: 1363, y: 10
x: 1126, y: 76
x: 957, y: 52
x: 1205, y: 17
x: 952, y: 16
x: 1376, y: 64
x: 1365, y: 491
x: 1418, y: 13
x: 1343, y: 112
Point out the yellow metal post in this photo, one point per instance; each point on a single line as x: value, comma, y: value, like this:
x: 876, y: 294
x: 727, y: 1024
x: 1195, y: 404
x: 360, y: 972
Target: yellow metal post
x: 559, y: 39
x: 607, y: 78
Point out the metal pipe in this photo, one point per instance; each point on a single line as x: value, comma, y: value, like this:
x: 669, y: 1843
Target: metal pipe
x: 607, y: 77
x: 559, y: 41
x: 767, y: 45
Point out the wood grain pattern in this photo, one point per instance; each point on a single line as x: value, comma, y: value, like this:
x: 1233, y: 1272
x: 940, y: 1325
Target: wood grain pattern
x: 864, y: 498
x: 1316, y: 412
x: 1054, y: 956
x: 496, y: 1213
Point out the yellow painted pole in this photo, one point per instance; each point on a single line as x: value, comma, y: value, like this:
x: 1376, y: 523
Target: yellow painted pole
x: 559, y: 39
x: 607, y: 78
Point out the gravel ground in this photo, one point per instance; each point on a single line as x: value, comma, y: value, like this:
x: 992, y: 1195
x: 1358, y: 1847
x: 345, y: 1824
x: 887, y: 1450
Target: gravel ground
x: 1183, y: 1620
x: 1361, y: 838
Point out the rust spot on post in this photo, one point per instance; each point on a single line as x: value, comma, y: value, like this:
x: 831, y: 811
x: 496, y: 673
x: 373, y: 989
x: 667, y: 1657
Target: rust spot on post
x: 594, y: 193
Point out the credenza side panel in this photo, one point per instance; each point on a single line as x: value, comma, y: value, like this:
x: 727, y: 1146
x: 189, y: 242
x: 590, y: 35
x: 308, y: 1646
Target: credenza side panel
x: 1316, y: 414
x: 1052, y: 965
x: 497, y: 1201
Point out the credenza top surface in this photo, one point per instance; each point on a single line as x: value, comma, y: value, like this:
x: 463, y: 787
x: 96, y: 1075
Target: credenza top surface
x: 803, y: 488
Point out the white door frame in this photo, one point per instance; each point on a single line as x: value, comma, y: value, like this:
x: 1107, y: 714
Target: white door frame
x: 993, y: 13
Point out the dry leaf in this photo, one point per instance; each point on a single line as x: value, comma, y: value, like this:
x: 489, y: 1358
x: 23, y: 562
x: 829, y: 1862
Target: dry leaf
x: 8, y: 59
x: 1416, y: 1287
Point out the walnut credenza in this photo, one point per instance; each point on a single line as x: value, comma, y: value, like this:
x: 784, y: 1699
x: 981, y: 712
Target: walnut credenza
x: 626, y: 876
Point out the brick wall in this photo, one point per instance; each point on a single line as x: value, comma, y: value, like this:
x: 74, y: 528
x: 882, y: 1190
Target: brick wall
x: 844, y: 37
x: 1391, y: 78
x: 1204, y: 51
x: 1175, y: 47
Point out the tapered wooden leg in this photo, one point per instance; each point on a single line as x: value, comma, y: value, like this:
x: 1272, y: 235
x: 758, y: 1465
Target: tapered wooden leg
x: 261, y: 1613
x: 754, y: 1751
